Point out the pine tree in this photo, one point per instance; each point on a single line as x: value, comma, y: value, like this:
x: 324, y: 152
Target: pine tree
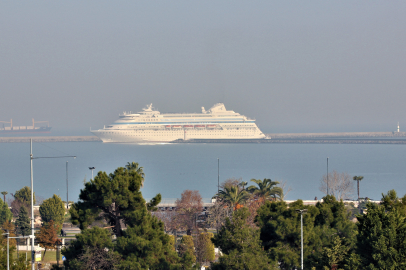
x: 115, y: 197
x: 382, y: 235
x: 281, y: 230
x: 141, y: 240
x: 88, y: 241
x: 5, y: 213
x: 23, y: 222
x: 145, y: 245
x: 241, y: 245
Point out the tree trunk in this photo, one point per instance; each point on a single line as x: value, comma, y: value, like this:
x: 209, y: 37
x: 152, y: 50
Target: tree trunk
x: 117, y: 227
x: 358, y: 188
x: 42, y: 259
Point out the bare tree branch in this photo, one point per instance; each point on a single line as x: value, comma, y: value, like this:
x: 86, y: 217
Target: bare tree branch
x: 340, y: 185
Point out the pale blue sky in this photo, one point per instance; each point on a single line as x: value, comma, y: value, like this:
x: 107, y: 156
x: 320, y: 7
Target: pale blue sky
x: 295, y: 66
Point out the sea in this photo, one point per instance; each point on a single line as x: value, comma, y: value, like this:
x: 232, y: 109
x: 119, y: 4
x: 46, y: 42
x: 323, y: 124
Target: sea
x: 172, y: 168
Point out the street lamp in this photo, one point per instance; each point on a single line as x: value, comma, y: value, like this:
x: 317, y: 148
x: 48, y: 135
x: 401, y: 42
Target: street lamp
x: 8, y: 256
x: 16, y: 231
x: 32, y: 236
x: 327, y: 176
x: 92, y: 168
x: 67, y: 189
x: 218, y: 176
x: 301, y: 230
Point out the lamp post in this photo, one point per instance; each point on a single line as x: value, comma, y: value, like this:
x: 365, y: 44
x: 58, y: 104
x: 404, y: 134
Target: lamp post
x: 8, y: 256
x: 327, y: 176
x: 218, y: 176
x: 301, y: 229
x: 32, y: 236
x: 92, y: 168
x: 67, y: 189
x: 16, y: 231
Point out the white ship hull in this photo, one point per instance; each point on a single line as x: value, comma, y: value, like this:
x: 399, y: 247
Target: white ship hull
x: 150, y: 126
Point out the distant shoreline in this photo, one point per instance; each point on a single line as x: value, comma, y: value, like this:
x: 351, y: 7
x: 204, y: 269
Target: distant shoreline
x: 291, y: 138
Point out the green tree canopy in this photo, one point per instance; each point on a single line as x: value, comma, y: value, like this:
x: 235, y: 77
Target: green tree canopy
x: 382, y: 235
x: 23, y: 222
x: 116, y: 197
x: 24, y: 195
x: 187, y: 246
x: 391, y: 201
x: 5, y: 213
x: 204, y: 247
x: 241, y: 245
x: 280, y: 231
x: 53, y: 209
x: 89, y: 239
x: 145, y: 244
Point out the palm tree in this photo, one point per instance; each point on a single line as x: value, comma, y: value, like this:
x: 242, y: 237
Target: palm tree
x: 4, y: 194
x: 233, y: 196
x: 134, y: 166
x: 358, y: 178
x: 243, y: 184
x: 266, y: 189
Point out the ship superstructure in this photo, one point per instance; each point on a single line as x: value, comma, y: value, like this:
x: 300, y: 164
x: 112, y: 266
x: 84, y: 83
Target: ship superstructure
x: 150, y: 126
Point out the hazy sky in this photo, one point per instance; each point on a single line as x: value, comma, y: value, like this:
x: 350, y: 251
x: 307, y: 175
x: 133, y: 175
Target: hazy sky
x: 295, y: 66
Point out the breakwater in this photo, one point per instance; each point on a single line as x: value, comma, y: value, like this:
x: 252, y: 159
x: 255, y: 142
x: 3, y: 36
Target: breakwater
x: 338, y: 135
x: 309, y: 138
x: 303, y: 140
x: 318, y: 138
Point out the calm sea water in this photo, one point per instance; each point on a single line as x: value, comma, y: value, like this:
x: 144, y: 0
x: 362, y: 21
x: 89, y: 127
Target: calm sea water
x: 170, y: 169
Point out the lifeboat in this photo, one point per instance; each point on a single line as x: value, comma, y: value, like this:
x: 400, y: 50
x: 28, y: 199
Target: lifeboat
x: 177, y: 126
x: 211, y: 126
x: 168, y: 126
x: 200, y: 126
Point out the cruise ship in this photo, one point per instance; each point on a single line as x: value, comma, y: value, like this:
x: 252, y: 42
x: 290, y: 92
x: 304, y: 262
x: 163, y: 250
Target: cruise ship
x: 150, y: 126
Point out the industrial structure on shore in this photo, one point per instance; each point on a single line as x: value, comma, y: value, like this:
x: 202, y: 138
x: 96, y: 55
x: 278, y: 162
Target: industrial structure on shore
x: 25, y: 129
